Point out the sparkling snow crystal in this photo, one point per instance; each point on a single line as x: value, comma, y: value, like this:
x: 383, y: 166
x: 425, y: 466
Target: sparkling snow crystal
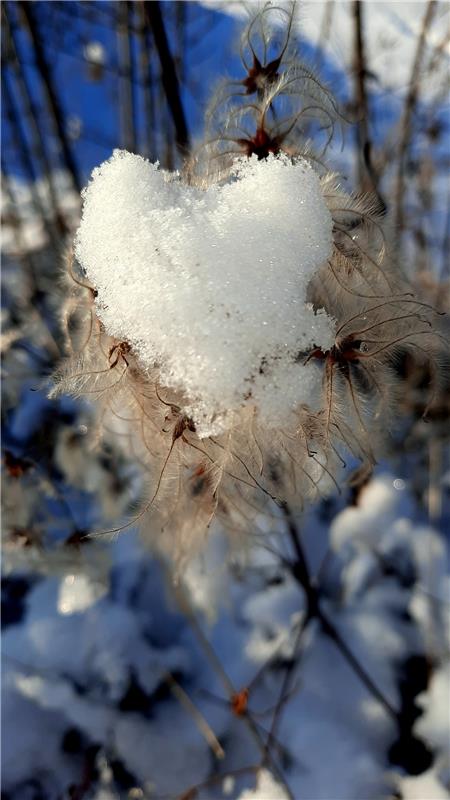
x: 210, y: 286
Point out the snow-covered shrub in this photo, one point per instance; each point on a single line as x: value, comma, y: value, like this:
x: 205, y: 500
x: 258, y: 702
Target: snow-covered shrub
x: 242, y: 322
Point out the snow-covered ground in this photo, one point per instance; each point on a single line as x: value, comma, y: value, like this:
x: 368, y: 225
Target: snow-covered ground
x: 87, y: 672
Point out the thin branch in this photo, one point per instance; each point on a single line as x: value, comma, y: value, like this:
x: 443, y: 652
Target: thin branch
x: 169, y: 77
x: 367, y: 178
x: 146, y: 79
x: 407, y: 118
x: 185, y: 606
x: 126, y: 104
x: 34, y: 126
x: 21, y: 146
x: 28, y: 11
x: 203, y: 726
x: 286, y: 687
x: 300, y: 571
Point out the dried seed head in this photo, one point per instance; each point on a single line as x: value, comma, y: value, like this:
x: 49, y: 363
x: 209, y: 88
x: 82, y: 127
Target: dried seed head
x: 244, y: 326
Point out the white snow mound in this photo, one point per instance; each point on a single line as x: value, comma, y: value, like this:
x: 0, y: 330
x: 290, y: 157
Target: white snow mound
x: 211, y: 285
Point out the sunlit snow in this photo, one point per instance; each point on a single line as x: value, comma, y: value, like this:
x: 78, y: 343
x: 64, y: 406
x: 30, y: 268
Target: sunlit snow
x: 210, y: 286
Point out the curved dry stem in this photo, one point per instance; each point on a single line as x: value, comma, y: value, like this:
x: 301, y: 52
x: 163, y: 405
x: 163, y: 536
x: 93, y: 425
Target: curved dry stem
x: 394, y: 342
x: 242, y: 462
x: 364, y: 254
x: 392, y: 301
x: 378, y: 324
x: 360, y: 294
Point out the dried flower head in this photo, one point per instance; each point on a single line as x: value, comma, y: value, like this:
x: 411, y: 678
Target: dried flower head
x: 241, y: 324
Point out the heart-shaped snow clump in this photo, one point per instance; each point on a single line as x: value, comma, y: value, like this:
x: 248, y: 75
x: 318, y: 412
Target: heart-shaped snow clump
x: 211, y: 285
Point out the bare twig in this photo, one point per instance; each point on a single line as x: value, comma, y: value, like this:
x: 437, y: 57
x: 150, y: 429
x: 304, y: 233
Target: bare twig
x: 300, y: 571
x: 28, y: 106
x: 286, y: 687
x: 193, y: 791
x: 203, y: 726
x: 210, y: 653
x: 168, y: 74
x: 367, y: 177
x: 28, y: 11
x: 406, y: 126
x: 21, y: 146
x: 126, y: 104
x: 146, y: 78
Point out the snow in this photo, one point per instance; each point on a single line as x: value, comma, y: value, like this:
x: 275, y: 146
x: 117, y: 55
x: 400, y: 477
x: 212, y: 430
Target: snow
x: 77, y: 593
x: 266, y: 788
x: 379, y: 502
x: 73, y: 668
x: 434, y: 724
x: 423, y: 787
x: 29, y: 209
x: 211, y: 285
x: 95, y: 52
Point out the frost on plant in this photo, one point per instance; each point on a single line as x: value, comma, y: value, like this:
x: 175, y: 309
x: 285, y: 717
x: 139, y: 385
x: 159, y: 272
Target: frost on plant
x: 242, y: 322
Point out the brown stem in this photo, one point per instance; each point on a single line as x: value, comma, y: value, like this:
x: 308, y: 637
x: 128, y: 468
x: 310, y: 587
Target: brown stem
x: 169, y: 77
x: 406, y: 122
x: 146, y: 76
x: 28, y: 11
x: 300, y: 571
x: 126, y: 78
x: 362, y: 105
x: 184, y: 604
